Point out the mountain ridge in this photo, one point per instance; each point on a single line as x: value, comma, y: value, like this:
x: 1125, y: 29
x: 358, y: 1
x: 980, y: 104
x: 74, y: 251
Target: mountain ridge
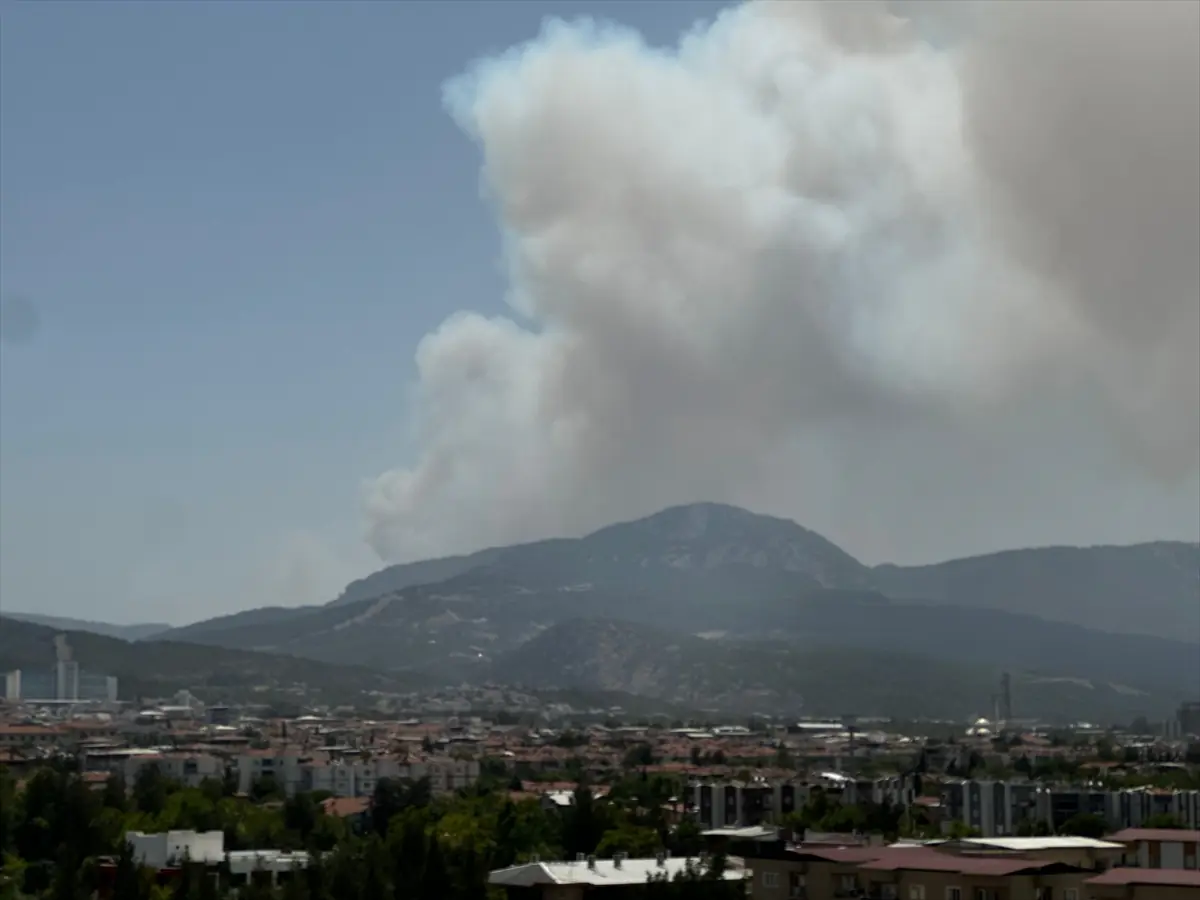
x: 598, y: 654
x: 159, y: 668
x: 137, y: 632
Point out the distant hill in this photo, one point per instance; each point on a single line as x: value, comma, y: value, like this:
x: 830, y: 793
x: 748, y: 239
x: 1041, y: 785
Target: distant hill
x: 728, y: 573
x: 1141, y: 589
x: 159, y: 668
x: 138, y: 632
x: 234, y: 623
x: 1096, y: 587
x: 595, y: 654
x: 399, y: 577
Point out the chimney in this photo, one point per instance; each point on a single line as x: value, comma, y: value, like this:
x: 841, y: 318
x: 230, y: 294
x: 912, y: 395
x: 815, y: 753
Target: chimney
x: 619, y: 858
x: 591, y: 862
x: 580, y: 857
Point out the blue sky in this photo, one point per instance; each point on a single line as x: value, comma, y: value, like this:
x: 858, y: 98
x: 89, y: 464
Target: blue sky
x: 235, y: 222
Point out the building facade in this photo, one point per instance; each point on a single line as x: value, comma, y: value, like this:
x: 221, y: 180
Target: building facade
x: 997, y: 808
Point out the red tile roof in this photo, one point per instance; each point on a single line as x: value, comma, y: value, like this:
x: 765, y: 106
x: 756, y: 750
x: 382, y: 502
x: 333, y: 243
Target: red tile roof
x: 1166, y: 835
x: 342, y: 807
x: 927, y: 859
x: 923, y: 859
x: 1162, y: 877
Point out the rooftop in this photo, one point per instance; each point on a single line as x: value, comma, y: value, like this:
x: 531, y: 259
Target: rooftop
x: 598, y: 873
x: 1161, y: 877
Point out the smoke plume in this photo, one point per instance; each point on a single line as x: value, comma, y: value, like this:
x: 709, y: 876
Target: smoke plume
x: 927, y: 284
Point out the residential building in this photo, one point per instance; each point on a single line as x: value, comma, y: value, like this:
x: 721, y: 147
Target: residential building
x: 171, y: 848
x: 190, y: 769
x: 996, y: 808
x: 1160, y: 848
x: 29, y: 737
x: 720, y: 803
x: 294, y: 770
x: 912, y: 872
x: 1144, y: 884
x: 1188, y: 719
x: 605, y: 879
x: 1083, y: 852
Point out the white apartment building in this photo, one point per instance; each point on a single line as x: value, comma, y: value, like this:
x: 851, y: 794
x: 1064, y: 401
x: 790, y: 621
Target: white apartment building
x: 169, y: 848
x: 350, y: 777
x: 719, y: 804
x: 189, y: 769
x: 997, y: 808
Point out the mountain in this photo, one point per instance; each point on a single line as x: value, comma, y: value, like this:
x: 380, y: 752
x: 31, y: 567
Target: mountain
x: 159, y: 668
x: 398, y: 577
x: 700, y: 536
x: 741, y: 553
x: 125, y: 632
x: 235, y: 623
x: 1142, y: 589
x: 731, y: 575
x: 765, y: 676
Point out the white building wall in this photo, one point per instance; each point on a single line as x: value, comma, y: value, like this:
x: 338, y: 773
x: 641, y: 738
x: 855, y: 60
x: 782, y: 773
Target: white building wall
x: 157, y: 851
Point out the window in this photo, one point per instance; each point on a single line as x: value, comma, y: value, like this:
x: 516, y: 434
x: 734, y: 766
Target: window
x: 1071, y: 894
x: 847, y: 883
x: 887, y: 892
x: 770, y: 879
x: 953, y: 893
x: 916, y: 892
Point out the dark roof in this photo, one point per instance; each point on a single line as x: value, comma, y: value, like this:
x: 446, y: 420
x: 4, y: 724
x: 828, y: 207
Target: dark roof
x: 929, y: 860
x: 829, y: 853
x: 1168, y: 835
x: 1162, y: 877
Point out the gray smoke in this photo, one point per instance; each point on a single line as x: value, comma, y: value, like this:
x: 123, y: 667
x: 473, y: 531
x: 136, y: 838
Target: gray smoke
x: 927, y: 283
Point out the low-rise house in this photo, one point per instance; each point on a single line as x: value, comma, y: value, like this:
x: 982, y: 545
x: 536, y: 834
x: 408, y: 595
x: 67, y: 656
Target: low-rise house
x: 1160, y: 848
x: 907, y: 872
x: 1145, y: 884
x: 604, y: 879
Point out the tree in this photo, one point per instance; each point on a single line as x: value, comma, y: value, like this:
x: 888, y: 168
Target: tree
x: 583, y: 824
x: 1164, y: 820
x: 435, y: 880
x: 1085, y: 825
x: 115, y: 795
x: 150, y: 789
x: 8, y: 812
x: 639, y: 756
x: 634, y: 840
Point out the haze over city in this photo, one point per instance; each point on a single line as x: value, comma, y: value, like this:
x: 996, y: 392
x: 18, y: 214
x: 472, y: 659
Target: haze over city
x: 293, y: 292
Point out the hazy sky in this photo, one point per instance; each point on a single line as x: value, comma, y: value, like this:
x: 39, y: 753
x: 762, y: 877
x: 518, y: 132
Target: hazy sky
x: 815, y: 263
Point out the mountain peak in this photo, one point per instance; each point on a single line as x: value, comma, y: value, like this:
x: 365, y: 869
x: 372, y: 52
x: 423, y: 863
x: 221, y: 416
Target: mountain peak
x: 710, y: 535
x: 692, y: 521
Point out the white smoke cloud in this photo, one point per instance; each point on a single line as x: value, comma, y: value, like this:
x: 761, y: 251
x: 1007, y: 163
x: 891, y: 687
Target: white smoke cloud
x: 819, y: 261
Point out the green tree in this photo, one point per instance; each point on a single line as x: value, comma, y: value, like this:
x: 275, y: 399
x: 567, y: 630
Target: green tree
x: 1085, y: 825
x: 634, y: 840
x: 1164, y: 820
x: 151, y: 789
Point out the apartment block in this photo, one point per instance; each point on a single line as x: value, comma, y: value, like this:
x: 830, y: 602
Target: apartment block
x: 1160, y: 848
x: 722, y: 804
x: 826, y: 872
x: 295, y: 772
x: 998, y: 808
